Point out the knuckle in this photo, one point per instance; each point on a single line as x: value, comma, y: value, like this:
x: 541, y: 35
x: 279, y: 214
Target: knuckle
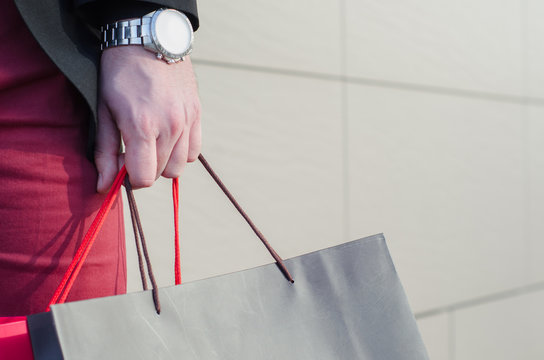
x: 190, y: 111
x: 175, y: 125
x: 177, y: 117
x: 196, y: 109
x: 144, y: 129
x: 145, y: 125
x: 177, y: 113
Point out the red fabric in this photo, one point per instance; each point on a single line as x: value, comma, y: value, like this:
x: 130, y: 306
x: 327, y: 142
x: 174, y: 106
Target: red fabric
x: 14, y: 339
x: 47, y: 186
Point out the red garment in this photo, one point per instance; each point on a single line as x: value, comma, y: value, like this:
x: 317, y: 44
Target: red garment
x: 47, y: 185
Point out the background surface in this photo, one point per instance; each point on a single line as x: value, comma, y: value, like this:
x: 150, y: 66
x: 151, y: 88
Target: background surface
x: 330, y: 121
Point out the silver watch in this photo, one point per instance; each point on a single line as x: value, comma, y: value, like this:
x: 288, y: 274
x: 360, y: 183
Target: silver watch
x: 166, y: 32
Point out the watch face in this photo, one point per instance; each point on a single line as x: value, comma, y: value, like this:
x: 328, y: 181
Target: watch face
x: 174, y: 33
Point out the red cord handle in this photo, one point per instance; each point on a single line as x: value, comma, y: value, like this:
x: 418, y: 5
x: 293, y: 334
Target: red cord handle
x: 67, y: 282
x: 177, y: 260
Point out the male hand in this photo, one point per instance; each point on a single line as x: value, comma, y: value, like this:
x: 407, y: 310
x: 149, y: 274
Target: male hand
x: 154, y: 106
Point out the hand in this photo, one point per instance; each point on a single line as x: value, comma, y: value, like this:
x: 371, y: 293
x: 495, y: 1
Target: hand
x: 154, y: 106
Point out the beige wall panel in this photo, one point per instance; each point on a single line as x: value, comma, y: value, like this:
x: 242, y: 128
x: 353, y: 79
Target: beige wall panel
x: 435, y: 331
x: 297, y: 35
x: 535, y: 48
x: 156, y: 213
x: 465, y: 44
x: 442, y: 177
x: 502, y: 330
x: 276, y: 143
x: 535, y: 191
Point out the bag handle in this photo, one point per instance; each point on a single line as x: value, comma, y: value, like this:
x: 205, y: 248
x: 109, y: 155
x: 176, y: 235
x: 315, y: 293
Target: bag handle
x: 72, y: 272
x: 62, y: 291
x: 279, y: 260
x: 138, y: 230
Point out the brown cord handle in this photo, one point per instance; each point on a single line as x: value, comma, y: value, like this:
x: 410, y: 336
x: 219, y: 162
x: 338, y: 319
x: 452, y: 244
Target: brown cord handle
x: 272, y: 252
x: 138, y: 230
x: 140, y: 238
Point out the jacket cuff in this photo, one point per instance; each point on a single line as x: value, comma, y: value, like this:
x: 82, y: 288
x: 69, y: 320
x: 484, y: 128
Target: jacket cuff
x: 101, y: 12
x: 119, y: 11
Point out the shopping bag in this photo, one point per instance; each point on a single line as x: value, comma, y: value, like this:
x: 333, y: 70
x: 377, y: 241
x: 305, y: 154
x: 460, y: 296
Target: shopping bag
x: 14, y: 339
x: 346, y: 302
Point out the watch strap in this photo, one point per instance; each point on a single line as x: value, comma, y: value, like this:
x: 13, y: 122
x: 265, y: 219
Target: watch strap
x: 125, y: 32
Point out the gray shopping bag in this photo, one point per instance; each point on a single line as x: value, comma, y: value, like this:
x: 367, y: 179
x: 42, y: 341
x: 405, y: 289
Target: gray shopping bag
x: 346, y: 303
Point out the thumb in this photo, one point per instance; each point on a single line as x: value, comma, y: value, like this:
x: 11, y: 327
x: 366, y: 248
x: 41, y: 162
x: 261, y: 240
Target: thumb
x: 106, y: 151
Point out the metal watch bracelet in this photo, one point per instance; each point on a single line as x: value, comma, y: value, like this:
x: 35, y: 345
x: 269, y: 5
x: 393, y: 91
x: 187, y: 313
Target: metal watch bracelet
x: 126, y: 32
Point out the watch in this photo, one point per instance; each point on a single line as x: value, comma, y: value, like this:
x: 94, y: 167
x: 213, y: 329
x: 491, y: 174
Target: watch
x: 166, y: 32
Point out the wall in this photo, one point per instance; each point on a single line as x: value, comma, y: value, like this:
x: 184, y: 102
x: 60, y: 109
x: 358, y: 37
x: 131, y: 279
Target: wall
x: 330, y: 121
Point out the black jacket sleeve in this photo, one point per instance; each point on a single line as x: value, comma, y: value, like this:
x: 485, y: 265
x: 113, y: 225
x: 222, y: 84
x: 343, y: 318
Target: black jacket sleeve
x: 100, y: 12
x: 74, y: 46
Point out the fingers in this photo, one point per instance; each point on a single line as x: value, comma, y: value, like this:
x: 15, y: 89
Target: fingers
x: 178, y: 157
x: 147, y: 157
x: 195, y: 141
x: 172, y: 160
x: 140, y: 156
x: 106, y: 150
